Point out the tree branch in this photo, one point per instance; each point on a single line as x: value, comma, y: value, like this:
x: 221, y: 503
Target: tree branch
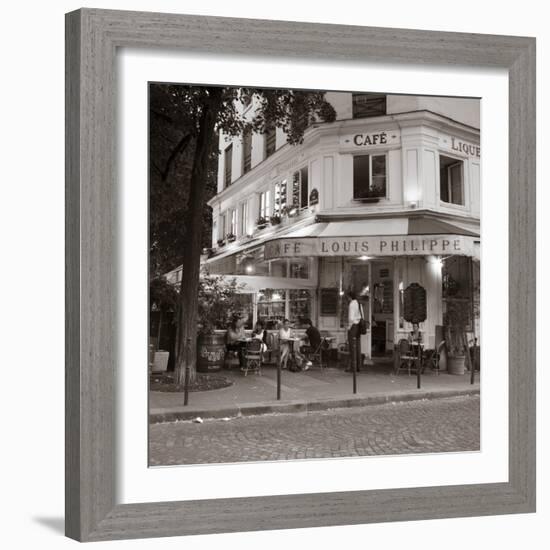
x: 179, y: 148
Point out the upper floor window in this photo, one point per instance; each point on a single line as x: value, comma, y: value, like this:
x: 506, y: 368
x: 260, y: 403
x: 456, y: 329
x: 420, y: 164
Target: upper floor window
x: 243, y: 218
x: 222, y: 227
x: 228, y: 162
x: 264, y: 205
x: 369, y: 177
x: 451, y: 180
x: 299, y: 188
x: 232, y: 217
x: 367, y: 105
x: 280, y: 201
x: 270, y: 141
x: 247, y: 151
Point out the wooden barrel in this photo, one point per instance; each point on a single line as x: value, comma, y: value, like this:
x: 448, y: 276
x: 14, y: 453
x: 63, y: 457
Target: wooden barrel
x: 455, y: 364
x: 210, y: 352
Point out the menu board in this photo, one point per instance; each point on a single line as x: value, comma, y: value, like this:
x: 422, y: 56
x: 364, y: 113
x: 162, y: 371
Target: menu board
x: 387, y: 297
x: 329, y: 302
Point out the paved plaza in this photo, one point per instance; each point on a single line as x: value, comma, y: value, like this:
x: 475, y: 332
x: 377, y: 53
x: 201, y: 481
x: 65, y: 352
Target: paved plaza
x: 410, y: 427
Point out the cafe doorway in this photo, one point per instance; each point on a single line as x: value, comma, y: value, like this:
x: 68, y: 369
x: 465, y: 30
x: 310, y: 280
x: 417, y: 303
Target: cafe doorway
x: 361, y: 284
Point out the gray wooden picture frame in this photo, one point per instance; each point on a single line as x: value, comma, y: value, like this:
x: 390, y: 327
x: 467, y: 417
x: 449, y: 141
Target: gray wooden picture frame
x: 92, y: 39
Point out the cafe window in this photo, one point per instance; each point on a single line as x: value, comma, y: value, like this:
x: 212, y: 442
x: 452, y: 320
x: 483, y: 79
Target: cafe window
x: 369, y: 177
x: 329, y: 302
x: 368, y: 105
x: 457, y: 291
x: 228, y: 161
x: 279, y: 206
x: 247, y: 151
x: 244, y: 307
x: 278, y: 268
x: 298, y: 269
x: 451, y: 180
x: 243, y: 218
x: 270, y: 141
x: 299, y: 188
x: 299, y: 305
x: 271, y: 307
x: 264, y: 205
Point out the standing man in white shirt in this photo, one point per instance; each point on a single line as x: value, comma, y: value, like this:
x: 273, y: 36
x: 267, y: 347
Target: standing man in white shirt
x: 355, y: 313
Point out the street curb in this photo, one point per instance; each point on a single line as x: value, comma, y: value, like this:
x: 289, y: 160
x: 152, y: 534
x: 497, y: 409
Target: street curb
x: 171, y: 415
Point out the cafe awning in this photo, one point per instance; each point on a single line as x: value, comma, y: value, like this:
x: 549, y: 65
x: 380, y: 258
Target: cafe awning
x: 413, y: 235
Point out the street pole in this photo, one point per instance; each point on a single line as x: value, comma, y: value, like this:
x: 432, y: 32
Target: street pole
x: 186, y: 379
x: 418, y: 365
x: 473, y: 361
x: 354, y: 363
x: 279, y: 380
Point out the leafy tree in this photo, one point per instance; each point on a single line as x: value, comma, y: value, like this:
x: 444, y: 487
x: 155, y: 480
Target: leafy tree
x: 200, y: 113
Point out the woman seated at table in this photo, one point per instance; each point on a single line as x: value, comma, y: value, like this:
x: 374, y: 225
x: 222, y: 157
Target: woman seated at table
x: 260, y: 329
x: 259, y: 334
x: 415, y: 335
x: 235, y: 338
x: 286, y: 348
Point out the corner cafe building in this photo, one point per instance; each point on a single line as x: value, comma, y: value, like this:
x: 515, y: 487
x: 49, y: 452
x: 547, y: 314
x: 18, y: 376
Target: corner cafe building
x: 369, y: 203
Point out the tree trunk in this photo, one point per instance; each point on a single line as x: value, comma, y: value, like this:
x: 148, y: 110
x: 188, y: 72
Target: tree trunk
x: 186, y: 341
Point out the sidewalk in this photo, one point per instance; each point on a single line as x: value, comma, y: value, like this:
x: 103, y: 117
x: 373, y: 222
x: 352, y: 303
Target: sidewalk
x: 312, y: 390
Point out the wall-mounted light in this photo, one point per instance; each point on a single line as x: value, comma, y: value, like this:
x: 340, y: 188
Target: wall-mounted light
x: 248, y: 265
x: 276, y: 297
x: 364, y: 258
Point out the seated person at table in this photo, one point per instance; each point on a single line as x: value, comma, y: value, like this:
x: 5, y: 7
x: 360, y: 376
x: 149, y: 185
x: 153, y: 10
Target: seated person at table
x: 258, y: 334
x: 235, y: 338
x: 286, y: 348
x: 415, y: 335
x: 313, y: 338
x: 260, y: 328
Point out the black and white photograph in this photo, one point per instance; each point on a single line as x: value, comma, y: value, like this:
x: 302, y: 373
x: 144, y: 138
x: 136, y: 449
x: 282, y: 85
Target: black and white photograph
x: 314, y: 274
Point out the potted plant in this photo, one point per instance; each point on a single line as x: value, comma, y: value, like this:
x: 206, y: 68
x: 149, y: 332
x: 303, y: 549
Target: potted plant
x: 163, y: 299
x: 221, y: 242
x: 231, y: 237
x: 261, y: 222
x: 218, y: 303
x: 275, y: 219
x: 457, y: 318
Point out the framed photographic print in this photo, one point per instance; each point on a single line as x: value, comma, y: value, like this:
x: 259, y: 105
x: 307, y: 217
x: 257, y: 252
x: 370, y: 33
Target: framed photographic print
x: 286, y: 261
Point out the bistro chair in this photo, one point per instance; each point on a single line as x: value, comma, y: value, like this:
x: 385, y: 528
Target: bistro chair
x: 253, y: 357
x: 316, y: 355
x: 432, y: 357
x: 406, y: 357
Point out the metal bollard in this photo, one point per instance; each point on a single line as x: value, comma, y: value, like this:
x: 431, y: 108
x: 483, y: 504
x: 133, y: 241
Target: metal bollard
x: 354, y: 364
x: 473, y: 363
x: 418, y: 367
x: 279, y: 380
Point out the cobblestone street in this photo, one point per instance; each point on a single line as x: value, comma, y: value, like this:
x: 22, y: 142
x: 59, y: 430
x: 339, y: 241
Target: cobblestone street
x: 428, y: 426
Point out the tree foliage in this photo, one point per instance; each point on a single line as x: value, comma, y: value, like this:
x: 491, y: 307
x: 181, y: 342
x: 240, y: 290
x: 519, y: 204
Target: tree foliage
x: 185, y: 124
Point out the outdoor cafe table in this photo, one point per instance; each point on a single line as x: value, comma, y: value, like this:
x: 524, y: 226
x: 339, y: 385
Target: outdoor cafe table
x: 292, y: 351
